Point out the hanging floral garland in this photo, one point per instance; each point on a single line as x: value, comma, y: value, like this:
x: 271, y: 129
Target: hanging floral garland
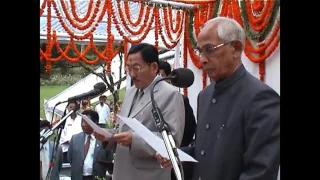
x: 260, y: 22
x: 167, y: 32
x: 71, y: 26
x: 185, y: 50
x: 80, y: 55
x: 43, y: 5
x: 49, y: 41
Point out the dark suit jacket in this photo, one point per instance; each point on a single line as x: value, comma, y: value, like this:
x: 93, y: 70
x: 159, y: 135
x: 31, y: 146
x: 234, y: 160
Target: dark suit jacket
x: 238, y: 130
x: 76, y: 157
x: 190, y: 123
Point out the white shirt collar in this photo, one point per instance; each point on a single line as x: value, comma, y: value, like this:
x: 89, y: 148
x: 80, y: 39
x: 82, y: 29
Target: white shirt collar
x: 147, y: 88
x: 91, y: 135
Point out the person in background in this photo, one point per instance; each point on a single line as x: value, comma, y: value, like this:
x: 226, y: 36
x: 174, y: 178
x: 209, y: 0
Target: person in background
x: 72, y: 126
x: 44, y: 125
x: 190, y: 120
x: 85, y: 104
x: 46, y: 155
x: 85, y: 152
x: 103, y: 110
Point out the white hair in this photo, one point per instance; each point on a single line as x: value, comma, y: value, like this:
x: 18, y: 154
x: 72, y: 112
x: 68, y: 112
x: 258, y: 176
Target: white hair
x: 229, y: 30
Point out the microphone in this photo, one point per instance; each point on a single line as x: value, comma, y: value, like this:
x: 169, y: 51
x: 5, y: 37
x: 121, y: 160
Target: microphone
x: 97, y: 89
x: 182, y: 77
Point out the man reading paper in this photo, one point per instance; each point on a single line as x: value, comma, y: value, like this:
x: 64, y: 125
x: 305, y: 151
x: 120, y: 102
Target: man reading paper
x: 134, y: 158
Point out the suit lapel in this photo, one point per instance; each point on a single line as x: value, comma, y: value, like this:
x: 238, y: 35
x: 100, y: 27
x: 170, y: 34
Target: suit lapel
x: 145, y: 100
x: 81, y: 145
x: 127, y: 106
x: 96, y: 151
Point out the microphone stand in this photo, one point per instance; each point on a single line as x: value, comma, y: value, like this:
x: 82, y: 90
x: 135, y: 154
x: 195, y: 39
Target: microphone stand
x: 165, y: 131
x: 48, y: 134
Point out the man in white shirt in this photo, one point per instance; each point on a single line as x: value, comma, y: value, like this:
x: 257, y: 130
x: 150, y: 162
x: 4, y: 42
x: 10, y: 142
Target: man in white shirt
x: 85, y: 152
x: 103, y: 110
x: 72, y: 126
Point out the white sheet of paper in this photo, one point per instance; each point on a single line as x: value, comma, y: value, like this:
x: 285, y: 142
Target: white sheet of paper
x: 153, y: 140
x: 95, y: 127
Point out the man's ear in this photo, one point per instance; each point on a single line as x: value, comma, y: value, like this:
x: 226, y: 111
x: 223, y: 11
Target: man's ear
x: 155, y: 67
x: 238, y: 48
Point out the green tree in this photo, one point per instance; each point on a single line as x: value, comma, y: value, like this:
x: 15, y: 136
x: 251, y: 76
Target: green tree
x: 107, y: 78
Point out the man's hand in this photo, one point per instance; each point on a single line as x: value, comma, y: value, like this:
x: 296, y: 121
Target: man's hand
x: 164, y: 162
x: 124, y: 138
x: 101, y: 137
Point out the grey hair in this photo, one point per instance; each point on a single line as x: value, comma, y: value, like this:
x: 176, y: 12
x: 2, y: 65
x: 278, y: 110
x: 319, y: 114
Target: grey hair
x: 229, y: 30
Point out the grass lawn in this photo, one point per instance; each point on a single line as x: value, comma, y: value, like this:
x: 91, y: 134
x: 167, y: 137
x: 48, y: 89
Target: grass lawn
x: 47, y: 92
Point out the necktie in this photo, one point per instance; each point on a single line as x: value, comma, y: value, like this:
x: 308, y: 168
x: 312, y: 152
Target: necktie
x: 140, y: 94
x: 136, y: 99
x: 86, y: 146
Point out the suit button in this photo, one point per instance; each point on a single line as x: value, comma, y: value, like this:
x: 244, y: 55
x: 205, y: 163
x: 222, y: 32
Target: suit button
x: 207, y: 126
x: 214, y: 101
x: 202, y: 153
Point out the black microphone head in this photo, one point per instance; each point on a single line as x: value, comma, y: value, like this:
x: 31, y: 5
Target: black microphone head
x: 100, y: 87
x: 182, y: 77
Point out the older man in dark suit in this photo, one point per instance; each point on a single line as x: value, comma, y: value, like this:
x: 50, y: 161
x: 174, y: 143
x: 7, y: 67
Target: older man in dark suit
x: 238, y: 129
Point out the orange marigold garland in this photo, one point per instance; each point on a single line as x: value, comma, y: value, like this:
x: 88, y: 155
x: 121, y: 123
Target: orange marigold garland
x: 178, y: 20
x: 128, y: 16
x: 125, y: 51
x: 49, y: 41
x: 43, y: 5
x: 147, y: 21
x: 90, y: 26
x: 204, y: 79
x: 86, y: 17
x: 157, y: 27
x: 167, y: 29
x: 110, y: 37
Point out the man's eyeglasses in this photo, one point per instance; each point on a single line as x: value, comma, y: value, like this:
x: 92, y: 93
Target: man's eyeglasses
x: 208, y: 50
x: 134, y: 69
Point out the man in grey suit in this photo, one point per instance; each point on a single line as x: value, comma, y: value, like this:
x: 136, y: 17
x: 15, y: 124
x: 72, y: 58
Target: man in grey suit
x: 46, y: 155
x: 85, y: 152
x: 134, y: 159
x: 238, y: 130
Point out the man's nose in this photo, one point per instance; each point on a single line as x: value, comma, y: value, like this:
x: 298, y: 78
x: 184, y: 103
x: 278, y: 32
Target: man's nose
x: 132, y: 74
x: 203, y: 59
